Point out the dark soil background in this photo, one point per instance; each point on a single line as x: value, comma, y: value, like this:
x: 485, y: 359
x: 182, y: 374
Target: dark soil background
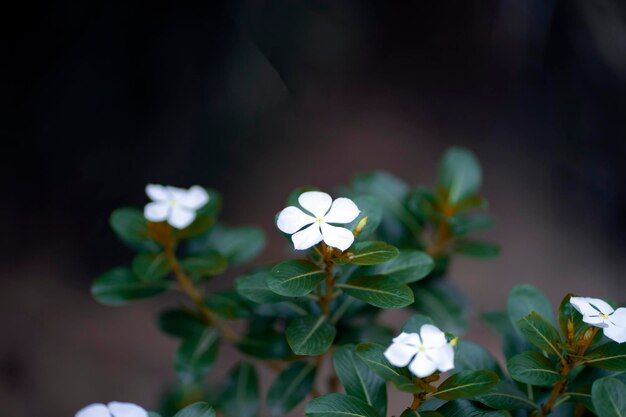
x: 255, y: 98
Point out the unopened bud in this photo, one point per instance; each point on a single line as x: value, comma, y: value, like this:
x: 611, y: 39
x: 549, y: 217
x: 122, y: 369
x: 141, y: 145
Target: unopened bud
x: 588, y: 334
x: 360, y: 226
x: 454, y: 341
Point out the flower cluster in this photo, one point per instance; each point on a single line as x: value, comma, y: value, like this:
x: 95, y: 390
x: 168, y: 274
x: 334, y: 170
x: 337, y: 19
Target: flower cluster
x: 177, y: 206
x: 112, y: 409
x: 599, y: 313
x: 424, y: 353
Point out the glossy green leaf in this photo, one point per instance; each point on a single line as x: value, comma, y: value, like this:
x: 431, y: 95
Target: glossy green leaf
x: 567, y: 313
x: 241, y: 397
x: 609, y: 397
x: 120, y: 285
x: 369, y: 253
x: 338, y: 405
x: 372, y: 355
x: 464, y: 408
x: 290, y: 387
x: 131, y: 227
x: 205, y: 264
x: 415, y: 322
x: 444, y: 303
x: 370, y: 208
x: 459, y: 174
x: 229, y: 305
x: 310, y: 335
x: 181, y: 323
x: 271, y: 345
x: 506, y: 396
x: 610, y: 356
x: 540, y: 333
x: 415, y: 413
x: 295, y: 278
x: 409, y: 266
x: 254, y: 287
x: 524, y: 299
x: 358, y: 380
x: 237, y: 244
x: 476, y: 249
x: 465, y: 384
x: 463, y: 224
x: 533, y: 368
x: 469, y: 355
x: 199, y: 409
x: 151, y: 266
x: 195, y: 357
x: 379, y: 291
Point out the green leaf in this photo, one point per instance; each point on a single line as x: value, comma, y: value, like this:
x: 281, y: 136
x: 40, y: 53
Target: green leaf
x: 610, y: 356
x: 524, y: 299
x: 237, y: 244
x: 609, y: 397
x: 153, y: 414
x: 205, y: 264
x: 464, y: 408
x: 181, y: 323
x: 358, y: 380
x: 541, y: 333
x: 151, y: 266
x: 415, y: 322
x: 409, y: 266
x: 465, y: 384
x: 459, y: 174
x: 444, y: 303
x: 506, y: 396
x: 271, y: 345
x: 379, y: 291
x: 372, y: 355
x: 476, y: 249
x: 290, y: 388
x: 463, y: 224
x: 512, y: 340
x: 469, y: 355
x: 338, y: 405
x: 198, y: 409
x: 131, y: 227
x: 567, y: 313
x: 533, y: 368
x: 194, y: 358
x: 368, y: 253
x: 120, y: 285
x: 415, y: 413
x: 253, y: 286
x: 310, y: 335
x: 370, y: 208
x: 229, y: 305
x: 241, y: 398
x: 295, y: 278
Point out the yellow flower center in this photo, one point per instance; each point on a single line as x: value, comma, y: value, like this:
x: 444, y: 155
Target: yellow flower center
x: 319, y: 220
x: 604, y: 316
x: 421, y: 349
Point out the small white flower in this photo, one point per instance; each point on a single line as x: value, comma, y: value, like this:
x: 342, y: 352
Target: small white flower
x: 600, y: 314
x: 113, y: 409
x: 176, y: 205
x: 425, y: 352
x: 324, y: 210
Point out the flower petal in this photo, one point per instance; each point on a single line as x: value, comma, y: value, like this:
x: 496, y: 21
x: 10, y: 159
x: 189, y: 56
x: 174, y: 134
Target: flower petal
x: 156, y: 211
x: 157, y: 192
x: 307, y: 238
x: 616, y: 333
x: 94, y: 410
x: 432, y: 337
x: 181, y: 217
x: 126, y: 410
x: 422, y: 366
x: 177, y: 194
x: 588, y: 306
x: 316, y: 202
x: 343, y: 210
x: 595, y: 321
x: 408, y: 339
x: 195, y: 198
x: 618, y: 317
x: 400, y: 354
x: 292, y: 219
x: 337, y: 237
x: 442, y: 356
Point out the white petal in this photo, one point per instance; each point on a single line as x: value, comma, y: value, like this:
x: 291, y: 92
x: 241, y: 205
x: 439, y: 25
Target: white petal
x: 616, y: 333
x: 619, y: 317
x: 157, y: 192
x: 343, y: 210
x: 176, y: 193
x: 408, y: 339
x: 156, y: 211
x: 442, y: 356
x: 126, y: 410
x: 181, y: 217
x: 400, y: 354
x: 595, y: 321
x: 588, y: 306
x: 337, y: 237
x: 94, y: 410
x: 195, y: 198
x: 432, y: 337
x: 422, y: 366
x: 316, y: 202
x: 292, y: 219
x: 307, y: 238
x: 601, y: 305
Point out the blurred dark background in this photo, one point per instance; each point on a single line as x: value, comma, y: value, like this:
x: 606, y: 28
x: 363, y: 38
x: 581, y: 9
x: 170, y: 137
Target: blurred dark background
x: 255, y: 98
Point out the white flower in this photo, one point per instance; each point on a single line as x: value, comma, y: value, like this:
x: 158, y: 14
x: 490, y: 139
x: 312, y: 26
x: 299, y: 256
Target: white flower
x: 426, y: 352
x: 324, y: 210
x: 600, y: 314
x: 176, y: 205
x: 113, y: 409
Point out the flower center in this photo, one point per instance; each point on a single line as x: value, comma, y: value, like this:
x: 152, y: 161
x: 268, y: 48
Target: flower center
x: 604, y: 316
x: 421, y: 349
x: 319, y: 220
